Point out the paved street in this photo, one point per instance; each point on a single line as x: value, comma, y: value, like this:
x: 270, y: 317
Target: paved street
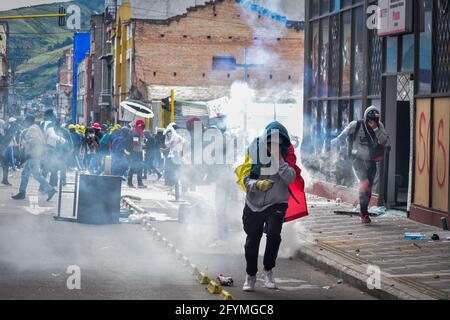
x: 126, y: 262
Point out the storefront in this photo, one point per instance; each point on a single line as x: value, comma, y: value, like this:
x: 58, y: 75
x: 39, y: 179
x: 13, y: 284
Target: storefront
x: 394, y: 54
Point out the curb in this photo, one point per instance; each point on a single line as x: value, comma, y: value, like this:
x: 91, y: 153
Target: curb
x: 212, y: 286
x: 354, y: 273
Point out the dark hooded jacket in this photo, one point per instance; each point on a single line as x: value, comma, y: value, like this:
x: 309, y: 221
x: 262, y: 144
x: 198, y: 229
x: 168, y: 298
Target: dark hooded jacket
x: 281, y: 173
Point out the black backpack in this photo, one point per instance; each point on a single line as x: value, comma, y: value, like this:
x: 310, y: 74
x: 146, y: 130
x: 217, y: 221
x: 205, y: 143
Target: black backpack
x: 352, y: 137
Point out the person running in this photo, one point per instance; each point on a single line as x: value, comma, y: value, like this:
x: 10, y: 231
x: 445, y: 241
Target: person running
x: 33, y: 146
x: 274, y: 195
x: 367, y: 140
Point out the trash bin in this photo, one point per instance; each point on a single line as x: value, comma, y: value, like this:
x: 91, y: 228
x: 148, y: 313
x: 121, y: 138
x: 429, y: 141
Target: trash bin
x: 98, y: 199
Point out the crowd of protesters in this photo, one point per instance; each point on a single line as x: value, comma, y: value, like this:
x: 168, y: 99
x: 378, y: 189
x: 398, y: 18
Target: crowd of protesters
x: 46, y: 149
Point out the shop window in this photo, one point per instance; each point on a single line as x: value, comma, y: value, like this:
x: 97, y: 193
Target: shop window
x: 441, y: 51
x: 324, y: 6
x: 375, y: 47
x: 375, y: 103
x: 391, y: 54
x: 325, y: 26
x: 358, y: 61
x: 408, y: 52
x: 322, y: 126
x: 224, y: 63
x: 346, y: 52
x: 357, y: 110
x: 344, y: 115
x: 335, y: 5
x: 315, y: 59
x: 334, y: 115
x: 425, y: 45
x: 314, y: 8
x: 346, y: 3
x: 334, y: 57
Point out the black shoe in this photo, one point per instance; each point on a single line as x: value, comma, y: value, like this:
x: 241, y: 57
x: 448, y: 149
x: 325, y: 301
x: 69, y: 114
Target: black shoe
x: 19, y: 196
x: 130, y: 185
x: 51, y: 193
x: 141, y: 186
x: 6, y: 183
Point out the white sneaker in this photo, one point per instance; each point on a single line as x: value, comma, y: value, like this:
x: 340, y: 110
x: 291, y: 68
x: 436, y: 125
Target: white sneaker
x: 249, y: 285
x: 269, y: 282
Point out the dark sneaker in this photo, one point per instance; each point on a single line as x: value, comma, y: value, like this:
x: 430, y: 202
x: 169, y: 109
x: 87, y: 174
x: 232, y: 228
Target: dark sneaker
x: 6, y: 183
x: 19, y: 196
x: 142, y: 186
x: 130, y: 186
x: 51, y: 193
x: 365, y: 219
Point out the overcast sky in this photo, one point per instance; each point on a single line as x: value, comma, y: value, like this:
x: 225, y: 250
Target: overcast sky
x: 12, y: 4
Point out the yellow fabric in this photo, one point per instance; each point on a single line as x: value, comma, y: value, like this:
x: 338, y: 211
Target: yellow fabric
x: 242, y: 171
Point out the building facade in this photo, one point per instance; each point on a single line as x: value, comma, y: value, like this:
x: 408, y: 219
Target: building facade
x: 85, y: 96
x: 4, y: 70
x: 202, y: 48
x: 65, y: 84
x: 390, y: 54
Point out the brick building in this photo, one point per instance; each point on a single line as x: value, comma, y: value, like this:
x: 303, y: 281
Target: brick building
x: 65, y: 83
x: 201, y: 50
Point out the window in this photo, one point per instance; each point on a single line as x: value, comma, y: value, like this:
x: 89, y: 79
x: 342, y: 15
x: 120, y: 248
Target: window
x: 358, y: 61
x: 315, y: 59
x: 408, y: 52
x: 344, y: 115
x: 391, y: 54
x: 357, y: 110
x: 334, y: 110
x: 334, y: 57
x: 314, y: 8
x: 224, y: 63
x: 346, y: 52
x: 441, y: 45
x: 425, y: 44
x: 324, y: 57
x: 375, y: 47
x: 324, y: 6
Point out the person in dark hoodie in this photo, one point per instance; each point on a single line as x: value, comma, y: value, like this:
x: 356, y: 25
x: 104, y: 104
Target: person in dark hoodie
x: 135, y: 148
x: 266, y: 202
x: 119, y: 140
x: 367, y: 140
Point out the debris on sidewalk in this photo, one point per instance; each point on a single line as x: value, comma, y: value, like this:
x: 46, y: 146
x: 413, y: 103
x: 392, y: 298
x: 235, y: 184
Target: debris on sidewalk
x: 435, y: 237
x: 413, y: 236
x: 225, y: 281
x: 137, y: 218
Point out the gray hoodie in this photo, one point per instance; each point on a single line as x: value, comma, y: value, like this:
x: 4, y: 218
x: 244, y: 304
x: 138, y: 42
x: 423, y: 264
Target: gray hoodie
x: 259, y: 201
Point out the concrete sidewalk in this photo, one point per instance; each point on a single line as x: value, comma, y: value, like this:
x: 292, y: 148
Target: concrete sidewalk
x: 346, y: 248
x: 343, y: 247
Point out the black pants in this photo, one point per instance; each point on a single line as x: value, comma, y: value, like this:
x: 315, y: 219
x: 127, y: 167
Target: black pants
x: 269, y: 221
x: 136, y: 167
x: 366, y: 171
